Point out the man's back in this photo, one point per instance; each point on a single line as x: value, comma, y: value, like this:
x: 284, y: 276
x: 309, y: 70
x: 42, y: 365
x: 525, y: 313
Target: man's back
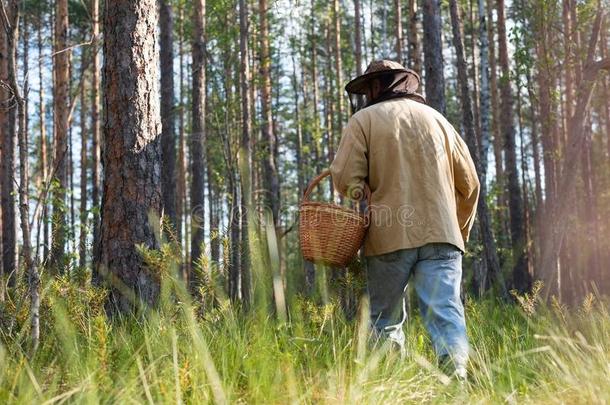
x: 423, y: 182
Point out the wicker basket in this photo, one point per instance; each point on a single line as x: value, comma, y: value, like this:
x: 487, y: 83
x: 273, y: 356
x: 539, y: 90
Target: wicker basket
x: 329, y: 233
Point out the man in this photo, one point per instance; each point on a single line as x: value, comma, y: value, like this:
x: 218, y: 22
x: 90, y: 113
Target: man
x: 424, y: 192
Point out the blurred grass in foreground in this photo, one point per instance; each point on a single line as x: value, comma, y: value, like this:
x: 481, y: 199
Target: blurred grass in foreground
x: 213, y: 352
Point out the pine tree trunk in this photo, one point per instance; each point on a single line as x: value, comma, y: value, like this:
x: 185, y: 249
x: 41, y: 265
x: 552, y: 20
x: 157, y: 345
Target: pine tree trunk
x: 485, y: 95
x: 131, y: 199
x: 95, y: 129
x: 338, y: 68
x: 82, y: 243
x: 358, y: 49
x: 548, y: 128
x: 7, y: 161
x: 182, y: 168
x: 270, y: 176
x: 495, y: 111
x: 44, y: 160
x: 398, y: 30
x: 491, y: 256
x: 10, y: 26
x: 245, y: 153
x: 414, y: 43
x: 168, y: 137
x: 358, y: 36
x: 198, y: 138
x: 521, y: 277
x: 61, y: 114
x: 433, y: 55
x: 183, y: 172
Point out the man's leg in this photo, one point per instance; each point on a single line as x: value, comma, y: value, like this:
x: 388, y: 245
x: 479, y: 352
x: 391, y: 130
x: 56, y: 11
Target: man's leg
x: 437, y: 276
x: 387, y: 277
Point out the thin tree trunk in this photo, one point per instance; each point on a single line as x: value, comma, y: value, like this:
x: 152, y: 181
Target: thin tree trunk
x: 372, y: 28
x: 433, y: 55
x: 95, y: 129
x: 245, y: 153
x: 546, y: 71
x: 168, y: 137
x: 271, y: 180
x: 495, y: 111
x: 61, y: 122
x: 358, y: 47
x: 358, y: 36
x: 7, y: 123
x: 521, y: 277
x: 181, y: 187
x: 485, y: 97
x: 414, y: 43
x: 44, y: 161
x: 474, y: 72
x: 338, y: 66
x: 82, y: 244
x: 198, y: 139
x: 605, y: 88
x: 491, y: 256
x: 10, y: 25
x: 131, y: 199
x: 535, y: 141
x: 318, y: 133
x: 398, y: 30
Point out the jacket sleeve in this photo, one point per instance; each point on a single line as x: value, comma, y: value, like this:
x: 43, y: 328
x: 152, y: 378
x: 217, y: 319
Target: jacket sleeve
x: 349, y: 169
x: 466, y: 186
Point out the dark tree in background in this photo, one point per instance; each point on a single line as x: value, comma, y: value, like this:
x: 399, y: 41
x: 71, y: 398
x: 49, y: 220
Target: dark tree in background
x: 433, y: 55
x: 198, y: 134
x: 168, y: 137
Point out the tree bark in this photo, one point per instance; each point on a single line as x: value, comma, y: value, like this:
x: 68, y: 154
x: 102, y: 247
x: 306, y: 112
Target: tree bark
x: 433, y: 55
x: 44, y: 160
x: 495, y: 111
x: 521, y: 277
x: 485, y: 96
x: 398, y: 30
x: 491, y: 256
x: 358, y: 36
x: 414, y: 43
x: 358, y: 49
x: 7, y: 126
x: 547, y: 112
x: 131, y: 200
x: 198, y: 138
x: 181, y: 188
x: 10, y: 26
x: 95, y: 129
x: 168, y: 137
x: 61, y: 119
x: 271, y: 187
x: 82, y: 242
x: 338, y: 69
x: 245, y: 153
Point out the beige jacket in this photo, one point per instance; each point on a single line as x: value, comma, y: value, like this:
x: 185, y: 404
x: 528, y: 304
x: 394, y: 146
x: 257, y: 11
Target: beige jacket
x: 424, y: 186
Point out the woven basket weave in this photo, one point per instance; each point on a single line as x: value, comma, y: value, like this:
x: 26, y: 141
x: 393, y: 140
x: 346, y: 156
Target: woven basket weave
x: 330, y: 234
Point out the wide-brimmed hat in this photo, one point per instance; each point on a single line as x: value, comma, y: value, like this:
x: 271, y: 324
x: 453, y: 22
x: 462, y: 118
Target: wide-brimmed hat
x: 381, y: 68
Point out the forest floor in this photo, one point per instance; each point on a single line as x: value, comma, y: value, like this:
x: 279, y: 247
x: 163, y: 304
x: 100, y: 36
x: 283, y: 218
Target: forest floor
x: 523, y: 353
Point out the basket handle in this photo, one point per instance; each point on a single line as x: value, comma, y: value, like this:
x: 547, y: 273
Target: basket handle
x: 322, y: 176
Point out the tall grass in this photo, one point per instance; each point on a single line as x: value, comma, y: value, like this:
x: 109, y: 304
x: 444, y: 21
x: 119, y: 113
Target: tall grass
x: 181, y: 354
x: 288, y: 348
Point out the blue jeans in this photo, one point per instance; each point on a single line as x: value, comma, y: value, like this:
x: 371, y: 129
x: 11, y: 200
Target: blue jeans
x: 435, y: 271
